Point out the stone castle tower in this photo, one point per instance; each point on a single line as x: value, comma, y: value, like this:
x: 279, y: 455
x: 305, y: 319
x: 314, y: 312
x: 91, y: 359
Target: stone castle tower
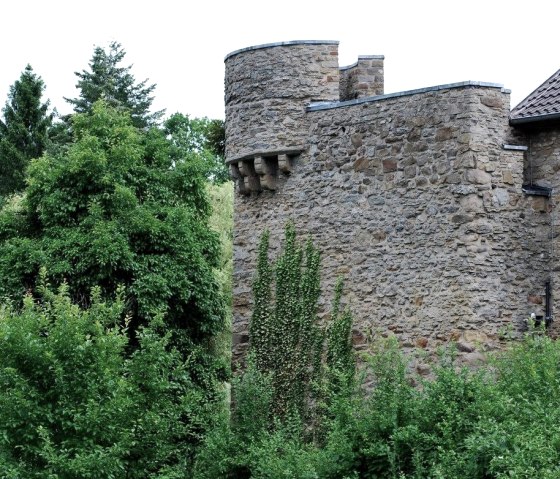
x: 419, y: 198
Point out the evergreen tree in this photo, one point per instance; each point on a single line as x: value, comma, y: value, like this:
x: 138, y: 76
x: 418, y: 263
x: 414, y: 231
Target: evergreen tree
x: 116, y: 85
x: 23, y: 133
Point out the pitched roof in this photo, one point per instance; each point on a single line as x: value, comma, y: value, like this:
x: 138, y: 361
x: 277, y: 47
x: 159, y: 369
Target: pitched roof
x: 541, y: 105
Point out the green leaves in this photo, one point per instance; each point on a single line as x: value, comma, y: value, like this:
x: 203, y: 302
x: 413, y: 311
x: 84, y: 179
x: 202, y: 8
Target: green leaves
x: 112, y: 209
x: 24, y: 131
x: 201, y: 140
x: 109, y: 81
x: 286, y: 340
x: 73, y: 403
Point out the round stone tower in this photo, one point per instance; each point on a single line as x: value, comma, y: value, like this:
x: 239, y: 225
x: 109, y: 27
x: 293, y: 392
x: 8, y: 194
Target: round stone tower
x: 267, y: 88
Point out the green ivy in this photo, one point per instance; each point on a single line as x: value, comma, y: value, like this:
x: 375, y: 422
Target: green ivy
x: 287, y: 341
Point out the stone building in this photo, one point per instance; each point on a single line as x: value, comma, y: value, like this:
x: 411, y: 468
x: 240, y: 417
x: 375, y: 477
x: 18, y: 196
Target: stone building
x: 436, y: 205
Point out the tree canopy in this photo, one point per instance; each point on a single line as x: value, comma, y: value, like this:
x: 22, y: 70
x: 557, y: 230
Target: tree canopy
x: 24, y: 130
x: 199, y: 137
x: 106, y: 79
x: 116, y: 209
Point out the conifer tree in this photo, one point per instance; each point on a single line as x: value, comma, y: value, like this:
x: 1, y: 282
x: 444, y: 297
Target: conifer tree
x: 23, y: 131
x: 116, y: 85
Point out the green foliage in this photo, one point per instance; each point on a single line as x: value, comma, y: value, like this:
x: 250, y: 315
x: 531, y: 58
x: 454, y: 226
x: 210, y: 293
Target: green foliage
x: 285, y: 339
x: 107, y: 80
x: 24, y: 131
x: 498, y: 422
x: 75, y: 404
x: 115, y: 209
x: 221, y: 221
x: 297, y: 374
x: 202, y: 138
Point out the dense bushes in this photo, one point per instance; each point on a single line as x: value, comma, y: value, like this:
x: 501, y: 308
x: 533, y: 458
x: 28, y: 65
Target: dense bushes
x: 75, y: 404
x: 499, y: 422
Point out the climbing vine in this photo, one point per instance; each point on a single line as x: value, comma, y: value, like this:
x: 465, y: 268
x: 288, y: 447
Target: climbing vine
x: 287, y: 341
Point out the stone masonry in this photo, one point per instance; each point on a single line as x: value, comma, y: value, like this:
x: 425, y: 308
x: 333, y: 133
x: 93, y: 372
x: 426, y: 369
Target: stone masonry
x: 415, y: 198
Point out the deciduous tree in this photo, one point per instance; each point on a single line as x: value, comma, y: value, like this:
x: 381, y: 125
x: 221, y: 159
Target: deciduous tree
x: 114, y: 208
x: 199, y: 137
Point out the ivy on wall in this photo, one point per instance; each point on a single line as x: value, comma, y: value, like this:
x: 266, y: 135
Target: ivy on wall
x: 302, y: 358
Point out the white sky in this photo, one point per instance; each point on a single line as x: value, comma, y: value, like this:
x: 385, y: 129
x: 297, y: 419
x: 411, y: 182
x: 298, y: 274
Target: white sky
x: 180, y: 45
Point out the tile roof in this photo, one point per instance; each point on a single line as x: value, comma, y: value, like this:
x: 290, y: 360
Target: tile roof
x: 541, y: 105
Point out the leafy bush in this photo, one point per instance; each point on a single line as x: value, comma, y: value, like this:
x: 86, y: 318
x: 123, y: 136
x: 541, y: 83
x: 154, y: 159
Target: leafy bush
x: 479, y: 425
x: 74, y: 404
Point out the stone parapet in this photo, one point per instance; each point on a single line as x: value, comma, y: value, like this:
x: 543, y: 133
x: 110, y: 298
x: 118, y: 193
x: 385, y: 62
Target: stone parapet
x: 362, y: 79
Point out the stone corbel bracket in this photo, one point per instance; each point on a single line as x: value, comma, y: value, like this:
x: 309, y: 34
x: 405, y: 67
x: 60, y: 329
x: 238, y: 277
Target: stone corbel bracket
x: 257, y: 172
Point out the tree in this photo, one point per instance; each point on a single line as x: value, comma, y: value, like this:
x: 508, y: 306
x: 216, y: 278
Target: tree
x: 24, y: 130
x: 199, y: 137
x: 75, y: 403
x: 116, y: 85
x: 114, y: 209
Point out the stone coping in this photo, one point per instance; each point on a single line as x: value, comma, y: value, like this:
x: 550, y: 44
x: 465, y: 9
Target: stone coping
x: 281, y: 44
x: 363, y: 57
x: 265, y: 154
x: 370, y: 99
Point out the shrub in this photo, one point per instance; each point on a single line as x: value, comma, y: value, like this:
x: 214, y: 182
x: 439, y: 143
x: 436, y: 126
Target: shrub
x: 74, y: 404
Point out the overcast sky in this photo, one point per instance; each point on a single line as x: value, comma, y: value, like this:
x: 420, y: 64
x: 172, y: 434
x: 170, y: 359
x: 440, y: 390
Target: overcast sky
x: 180, y: 45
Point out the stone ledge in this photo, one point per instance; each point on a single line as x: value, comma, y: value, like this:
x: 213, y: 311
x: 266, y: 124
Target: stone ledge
x: 265, y: 153
x: 515, y: 147
x: 371, y: 99
x: 281, y: 44
x: 257, y: 173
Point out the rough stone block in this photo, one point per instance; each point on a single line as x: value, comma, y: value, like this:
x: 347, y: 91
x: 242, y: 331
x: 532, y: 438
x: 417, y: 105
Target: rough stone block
x: 285, y: 163
x: 478, y: 177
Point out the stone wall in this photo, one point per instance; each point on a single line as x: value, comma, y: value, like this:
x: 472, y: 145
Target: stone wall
x: 267, y: 89
x: 542, y: 168
x: 414, y: 199
x: 362, y: 79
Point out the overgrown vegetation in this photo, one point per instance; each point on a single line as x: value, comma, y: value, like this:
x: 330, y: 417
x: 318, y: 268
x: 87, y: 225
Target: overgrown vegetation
x: 497, y: 422
x: 114, y: 210
x: 75, y: 404
x: 121, y: 373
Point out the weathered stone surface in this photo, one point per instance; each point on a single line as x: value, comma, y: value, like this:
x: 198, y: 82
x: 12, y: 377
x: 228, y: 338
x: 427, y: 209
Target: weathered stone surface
x: 465, y: 347
x: 412, y: 198
x: 471, y: 203
x: 478, y: 176
x: 364, y: 78
x: 474, y: 359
